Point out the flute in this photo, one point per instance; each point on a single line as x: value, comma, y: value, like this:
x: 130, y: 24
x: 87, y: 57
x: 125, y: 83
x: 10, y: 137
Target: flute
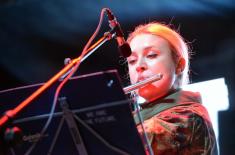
x: 135, y: 86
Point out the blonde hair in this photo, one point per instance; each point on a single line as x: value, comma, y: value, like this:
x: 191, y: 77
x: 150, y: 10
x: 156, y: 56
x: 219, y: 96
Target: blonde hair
x: 177, y: 43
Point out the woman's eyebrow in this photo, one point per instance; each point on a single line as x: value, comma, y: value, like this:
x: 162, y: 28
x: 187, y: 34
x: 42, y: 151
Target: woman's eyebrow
x: 146, y: 49
x: 133, y: 53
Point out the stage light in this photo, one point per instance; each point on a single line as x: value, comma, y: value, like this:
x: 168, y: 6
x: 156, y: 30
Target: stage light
x: 214, y: 97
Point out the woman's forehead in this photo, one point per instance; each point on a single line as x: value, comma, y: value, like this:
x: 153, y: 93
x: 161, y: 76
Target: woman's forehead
x: 144, y: 41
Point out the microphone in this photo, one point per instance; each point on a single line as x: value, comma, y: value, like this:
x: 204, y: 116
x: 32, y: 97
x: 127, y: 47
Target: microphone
x: 123, y: 46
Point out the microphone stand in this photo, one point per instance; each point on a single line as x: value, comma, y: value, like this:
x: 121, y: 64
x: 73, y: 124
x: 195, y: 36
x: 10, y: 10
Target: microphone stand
x: 10, y: 114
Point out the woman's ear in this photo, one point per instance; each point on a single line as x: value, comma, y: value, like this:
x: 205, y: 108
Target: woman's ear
x: 180, y: 66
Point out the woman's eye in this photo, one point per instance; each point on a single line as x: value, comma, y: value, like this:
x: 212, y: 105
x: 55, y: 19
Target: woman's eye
x: 131, y: 61
x: 152, y: 55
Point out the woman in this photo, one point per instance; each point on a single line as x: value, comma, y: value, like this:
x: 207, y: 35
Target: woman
x: 174, y: 120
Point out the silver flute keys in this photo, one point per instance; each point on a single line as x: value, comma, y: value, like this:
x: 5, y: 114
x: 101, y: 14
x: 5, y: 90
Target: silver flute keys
x: 135, y: 86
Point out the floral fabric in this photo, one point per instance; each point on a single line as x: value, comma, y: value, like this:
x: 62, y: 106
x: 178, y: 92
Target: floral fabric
x: 184, y: 129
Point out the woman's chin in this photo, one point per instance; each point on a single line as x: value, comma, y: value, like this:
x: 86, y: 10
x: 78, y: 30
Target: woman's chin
x: 148, y: 92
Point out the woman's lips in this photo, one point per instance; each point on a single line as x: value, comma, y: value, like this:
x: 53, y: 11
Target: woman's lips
x: 141, y: 78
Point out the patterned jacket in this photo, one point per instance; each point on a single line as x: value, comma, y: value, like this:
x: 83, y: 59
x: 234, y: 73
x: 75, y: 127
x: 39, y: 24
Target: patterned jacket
x: 178, y: 124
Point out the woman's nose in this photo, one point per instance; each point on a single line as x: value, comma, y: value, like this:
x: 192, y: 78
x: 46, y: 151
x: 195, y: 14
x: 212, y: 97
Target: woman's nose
x: 142, y: 66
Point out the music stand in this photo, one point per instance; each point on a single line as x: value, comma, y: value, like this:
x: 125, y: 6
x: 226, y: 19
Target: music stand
x: 94, y: 117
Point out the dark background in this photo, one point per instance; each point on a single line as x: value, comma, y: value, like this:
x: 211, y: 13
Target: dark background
x: 36, y: 36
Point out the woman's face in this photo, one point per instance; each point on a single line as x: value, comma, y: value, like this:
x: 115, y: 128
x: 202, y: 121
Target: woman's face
x: 151, y: 55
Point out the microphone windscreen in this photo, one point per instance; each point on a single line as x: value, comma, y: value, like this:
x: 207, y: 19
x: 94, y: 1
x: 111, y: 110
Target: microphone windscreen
x: 125, y: 50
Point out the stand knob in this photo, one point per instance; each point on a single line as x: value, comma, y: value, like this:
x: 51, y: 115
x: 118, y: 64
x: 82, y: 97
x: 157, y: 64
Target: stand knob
x: 13, y: 136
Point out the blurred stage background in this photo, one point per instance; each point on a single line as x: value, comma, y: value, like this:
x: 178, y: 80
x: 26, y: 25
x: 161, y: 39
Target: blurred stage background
x: 36, y: 36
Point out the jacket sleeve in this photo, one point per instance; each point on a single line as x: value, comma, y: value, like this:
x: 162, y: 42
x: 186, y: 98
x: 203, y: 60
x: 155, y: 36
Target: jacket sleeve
x: 181, y: 130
